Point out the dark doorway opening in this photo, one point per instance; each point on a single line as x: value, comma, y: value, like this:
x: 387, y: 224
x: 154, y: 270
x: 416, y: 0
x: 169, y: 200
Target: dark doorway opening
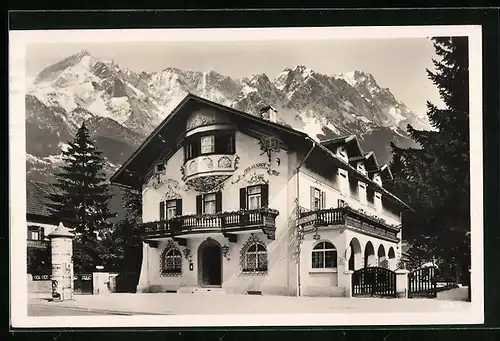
x: 210, y: 261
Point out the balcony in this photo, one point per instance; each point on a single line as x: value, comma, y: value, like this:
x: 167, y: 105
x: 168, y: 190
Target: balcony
x: 226, y: 223
x: 206, y: 172
x: 352, y: 218
x: 38, y: 244
x: 210, y: 164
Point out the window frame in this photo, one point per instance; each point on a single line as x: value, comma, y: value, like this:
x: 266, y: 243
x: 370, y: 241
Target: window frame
x: 212, y: 145
x: 175, y: 255
x: 169, y: 205
x: 254, y: 195
x: 247, y: 267
x: 323, y: 252
x: 205, y: 201
x: 38, y: 234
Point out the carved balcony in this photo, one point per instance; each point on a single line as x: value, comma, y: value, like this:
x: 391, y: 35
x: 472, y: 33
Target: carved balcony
x: 226, y: 223
x: 208, y: 171
x: 350, y: 218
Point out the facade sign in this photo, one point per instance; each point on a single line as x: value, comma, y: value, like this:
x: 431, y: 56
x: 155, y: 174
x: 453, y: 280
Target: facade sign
x: 307, y: 219
x: 261, y: 165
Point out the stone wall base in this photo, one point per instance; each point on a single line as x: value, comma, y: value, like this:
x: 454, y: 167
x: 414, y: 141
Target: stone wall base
x: 401, y: 294
x: 323, y: 291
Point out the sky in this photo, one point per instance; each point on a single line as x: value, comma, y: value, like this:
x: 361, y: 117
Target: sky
x: 398, y: 64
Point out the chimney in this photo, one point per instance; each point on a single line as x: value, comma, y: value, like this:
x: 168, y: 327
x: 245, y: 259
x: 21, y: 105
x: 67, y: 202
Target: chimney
x: 268, y: 113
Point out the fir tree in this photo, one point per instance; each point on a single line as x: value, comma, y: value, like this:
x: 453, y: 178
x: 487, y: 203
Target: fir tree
x: 434, y: 179
x: 83, y: 198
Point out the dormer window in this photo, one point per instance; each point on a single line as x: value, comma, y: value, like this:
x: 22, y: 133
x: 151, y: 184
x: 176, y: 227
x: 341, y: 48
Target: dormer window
x: 160, y: 168
x: 208, y: 144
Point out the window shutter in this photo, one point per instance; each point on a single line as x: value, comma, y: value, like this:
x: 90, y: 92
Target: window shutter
x: 219, y: 144
x: 218, y: 202
x: 243, y: 198
x: 312, y: 198
x: 199, y: 204
x: 178, y: 207
x: 323, y: 200
x: 196, y: 148
x: 264, y: 194
x: 162, y: 210
x: 231, y: 146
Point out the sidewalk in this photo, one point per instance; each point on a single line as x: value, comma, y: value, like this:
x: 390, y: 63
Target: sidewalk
x: 217, y: 303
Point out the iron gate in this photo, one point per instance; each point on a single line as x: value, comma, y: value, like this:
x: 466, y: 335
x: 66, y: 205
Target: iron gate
x: 422, y: 283
x: 374, y: 282
x: 83, y: 284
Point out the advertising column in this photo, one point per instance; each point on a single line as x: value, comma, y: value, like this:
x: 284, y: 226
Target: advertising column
x: 61, y: 242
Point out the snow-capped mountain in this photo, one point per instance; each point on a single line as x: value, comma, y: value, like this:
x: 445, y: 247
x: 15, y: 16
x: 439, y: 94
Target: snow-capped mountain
x: 121, y: 107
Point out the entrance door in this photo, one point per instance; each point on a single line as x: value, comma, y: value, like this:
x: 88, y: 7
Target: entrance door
x: 210, y: 260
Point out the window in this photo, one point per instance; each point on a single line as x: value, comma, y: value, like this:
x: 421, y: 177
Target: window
x: 189, y: 151
x: 209, y: 206
x: 370, y: 195
x: 172, y: 261
x: 160, y: 168
x: 254, y: 197
x: 171, y: 209
x: 255, y: 258
x: 207, y: 144
x: 209, y: 203
x: 324, y: 255
x: 34, y: 235
x: 318, y: 199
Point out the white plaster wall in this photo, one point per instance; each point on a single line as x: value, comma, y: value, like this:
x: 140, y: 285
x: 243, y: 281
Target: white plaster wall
x: 308, y: 179
x: 278, y: 277
x: 322, y: 282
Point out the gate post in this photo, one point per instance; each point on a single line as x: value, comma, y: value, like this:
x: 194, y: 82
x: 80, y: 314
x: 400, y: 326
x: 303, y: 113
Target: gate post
x: 402, y: 283
x: 348, y: 283
x: 61, y: 244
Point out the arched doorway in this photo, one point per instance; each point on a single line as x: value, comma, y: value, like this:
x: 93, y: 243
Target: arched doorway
x: 369, y: 255
x: 210, y: 263
x: 356, y: 259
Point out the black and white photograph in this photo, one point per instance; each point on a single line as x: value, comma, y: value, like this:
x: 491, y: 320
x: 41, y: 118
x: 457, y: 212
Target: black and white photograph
x: 246, y: 177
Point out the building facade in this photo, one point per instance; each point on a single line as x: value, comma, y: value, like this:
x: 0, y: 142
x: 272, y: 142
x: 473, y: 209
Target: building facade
x: 40, y: 222
x: 238, y: 203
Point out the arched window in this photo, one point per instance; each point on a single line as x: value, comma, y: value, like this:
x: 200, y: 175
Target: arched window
x: 172, y: 261
x: 255, y: 258
x: 324, y: 255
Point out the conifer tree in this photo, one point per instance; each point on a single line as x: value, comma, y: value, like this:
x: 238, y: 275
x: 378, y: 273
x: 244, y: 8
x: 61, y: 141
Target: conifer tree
x: 82, y: 199
x: 434, y: 179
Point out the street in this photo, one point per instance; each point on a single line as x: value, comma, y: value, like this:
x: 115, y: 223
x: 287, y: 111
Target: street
x: 54, y: 310
x: 217, y: 303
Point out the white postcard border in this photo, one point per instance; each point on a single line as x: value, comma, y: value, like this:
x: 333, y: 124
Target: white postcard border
x: 17, y: 168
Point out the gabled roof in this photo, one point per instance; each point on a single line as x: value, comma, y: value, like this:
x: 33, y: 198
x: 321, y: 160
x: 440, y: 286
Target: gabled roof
x: 371, y: 162
x: 350, y: 142
x: 385, y: 172
x: 166, y: 137
x: 37, y: 199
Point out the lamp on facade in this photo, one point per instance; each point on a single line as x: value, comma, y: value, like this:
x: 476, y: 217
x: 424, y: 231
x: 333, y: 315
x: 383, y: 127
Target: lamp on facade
x: 187, y: 252
x: 225, y: 251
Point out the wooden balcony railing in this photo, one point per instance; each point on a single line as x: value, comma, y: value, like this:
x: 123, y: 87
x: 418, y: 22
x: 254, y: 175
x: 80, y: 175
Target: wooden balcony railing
x: 38, y: 244
x: 347, y: 215
x: 220, y: 222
